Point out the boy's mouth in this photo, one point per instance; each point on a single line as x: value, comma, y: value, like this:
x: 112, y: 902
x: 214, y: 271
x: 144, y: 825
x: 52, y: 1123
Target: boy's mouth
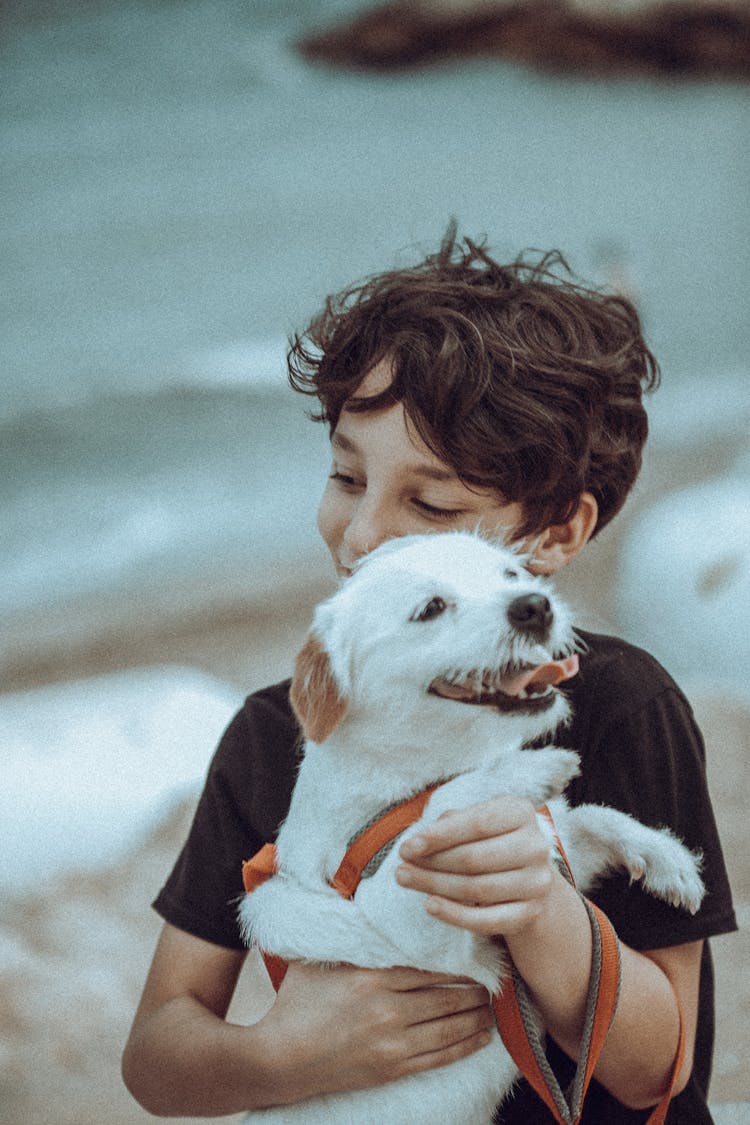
x: 527, y: 687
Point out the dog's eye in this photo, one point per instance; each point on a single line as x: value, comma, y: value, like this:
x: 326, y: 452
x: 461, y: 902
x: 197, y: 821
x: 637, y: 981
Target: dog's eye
x: 509, y: 573
x: 434, y: 608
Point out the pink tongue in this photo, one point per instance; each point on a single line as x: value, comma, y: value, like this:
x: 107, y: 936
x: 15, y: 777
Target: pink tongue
x: 553, y: 673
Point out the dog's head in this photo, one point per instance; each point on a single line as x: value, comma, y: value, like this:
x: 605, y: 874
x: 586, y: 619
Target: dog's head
x: 446, y: 623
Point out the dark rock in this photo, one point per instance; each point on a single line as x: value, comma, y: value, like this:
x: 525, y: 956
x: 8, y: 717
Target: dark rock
x: 673, y: 39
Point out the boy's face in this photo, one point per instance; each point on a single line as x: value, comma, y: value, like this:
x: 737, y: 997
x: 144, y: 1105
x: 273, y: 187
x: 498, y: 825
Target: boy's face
x: 385, y: 482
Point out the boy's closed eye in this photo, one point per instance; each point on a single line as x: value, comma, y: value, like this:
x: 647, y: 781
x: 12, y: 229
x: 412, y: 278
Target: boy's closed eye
x: 432, y: 511
x: 343, y: 478
x: 349, y: 481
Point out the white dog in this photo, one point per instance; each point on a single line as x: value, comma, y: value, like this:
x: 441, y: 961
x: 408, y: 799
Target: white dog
x: 436, y: 661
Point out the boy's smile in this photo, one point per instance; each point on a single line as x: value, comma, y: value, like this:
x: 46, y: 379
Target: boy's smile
x: 385, y: 482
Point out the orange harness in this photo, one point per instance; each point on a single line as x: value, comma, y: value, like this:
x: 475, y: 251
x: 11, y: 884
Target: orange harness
x: 513, y: 1009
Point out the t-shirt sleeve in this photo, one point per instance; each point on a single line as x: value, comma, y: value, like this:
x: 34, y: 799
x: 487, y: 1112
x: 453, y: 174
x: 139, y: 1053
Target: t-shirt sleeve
x: 649, y: 761
x: 244, y: 800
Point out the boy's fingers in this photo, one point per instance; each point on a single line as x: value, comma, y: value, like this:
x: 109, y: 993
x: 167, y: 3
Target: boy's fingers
x: 404, y: 979
x: 449, y: 1029
x: 488, y: 921
x: 478, y: 890
x: 448, y: 1053
x: 515, y: 849
x: 438, y: 1003
x: 480, y: 822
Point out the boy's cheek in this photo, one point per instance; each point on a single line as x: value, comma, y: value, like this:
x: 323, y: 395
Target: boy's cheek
x: 330, y: 523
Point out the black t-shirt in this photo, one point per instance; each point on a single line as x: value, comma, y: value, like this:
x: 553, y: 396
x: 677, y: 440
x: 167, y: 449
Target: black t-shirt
x: 641, y: 752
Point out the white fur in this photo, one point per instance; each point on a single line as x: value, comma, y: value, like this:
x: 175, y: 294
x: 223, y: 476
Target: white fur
x: 394, y: 738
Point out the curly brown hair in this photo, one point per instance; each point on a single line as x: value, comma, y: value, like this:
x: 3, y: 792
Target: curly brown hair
x: 523, y: 381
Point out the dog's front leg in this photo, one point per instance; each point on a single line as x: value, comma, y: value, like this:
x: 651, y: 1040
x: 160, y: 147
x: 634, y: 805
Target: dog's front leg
x: 298, y: 924
x: 597, y: 839
x: 537, y: 775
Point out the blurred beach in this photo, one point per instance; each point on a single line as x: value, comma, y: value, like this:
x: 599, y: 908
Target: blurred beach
x: 180, y: 192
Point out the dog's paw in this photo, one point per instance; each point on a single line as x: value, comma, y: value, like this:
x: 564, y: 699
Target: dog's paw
x: 669, y: 871
x: 551, y: 770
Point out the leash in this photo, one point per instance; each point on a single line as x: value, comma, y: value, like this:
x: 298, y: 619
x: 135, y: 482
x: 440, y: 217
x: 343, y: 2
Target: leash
x: 513, y: 1009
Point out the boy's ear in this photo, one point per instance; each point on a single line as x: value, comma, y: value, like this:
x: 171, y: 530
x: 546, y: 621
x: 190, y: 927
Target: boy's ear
x: 559, y: 544
x: 314, y: 694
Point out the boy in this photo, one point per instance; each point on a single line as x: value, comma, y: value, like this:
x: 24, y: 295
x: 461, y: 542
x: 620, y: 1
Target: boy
x: 458, y: 394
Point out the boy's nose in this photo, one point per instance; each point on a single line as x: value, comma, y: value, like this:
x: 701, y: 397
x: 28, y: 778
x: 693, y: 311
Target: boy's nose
x: 366, y: 530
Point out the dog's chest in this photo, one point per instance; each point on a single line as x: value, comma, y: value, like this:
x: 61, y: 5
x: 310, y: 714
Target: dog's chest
x: 329, y: 810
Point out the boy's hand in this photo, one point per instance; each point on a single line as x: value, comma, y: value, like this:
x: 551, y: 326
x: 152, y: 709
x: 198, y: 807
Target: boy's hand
x: 486, y: 868
x: 345, y: 1028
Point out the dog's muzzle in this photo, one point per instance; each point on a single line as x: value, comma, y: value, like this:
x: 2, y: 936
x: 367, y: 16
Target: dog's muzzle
x: 528, y: 688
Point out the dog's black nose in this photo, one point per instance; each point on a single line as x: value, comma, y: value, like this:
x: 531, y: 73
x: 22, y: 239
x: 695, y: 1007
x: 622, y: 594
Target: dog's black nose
x: 531, y: 613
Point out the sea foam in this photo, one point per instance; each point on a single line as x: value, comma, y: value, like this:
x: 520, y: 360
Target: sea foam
x: 89, y: 767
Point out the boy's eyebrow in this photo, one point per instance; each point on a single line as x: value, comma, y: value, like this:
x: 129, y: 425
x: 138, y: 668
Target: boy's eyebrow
x: 430, y: 472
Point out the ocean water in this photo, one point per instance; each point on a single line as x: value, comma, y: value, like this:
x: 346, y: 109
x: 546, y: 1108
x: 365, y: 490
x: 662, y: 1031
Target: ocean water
x: 82, y: 781
x: 126, y: 491
x: 181, y: 190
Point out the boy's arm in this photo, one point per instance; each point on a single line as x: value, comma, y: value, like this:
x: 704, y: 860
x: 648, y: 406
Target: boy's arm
x: 329, y: 1029
x: 487, y: 869
x: 181, y: 1056
x: 553, y: 954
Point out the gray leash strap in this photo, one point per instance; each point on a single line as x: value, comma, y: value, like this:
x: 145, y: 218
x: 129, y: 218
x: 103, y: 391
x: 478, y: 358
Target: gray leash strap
x: 569, y: 1104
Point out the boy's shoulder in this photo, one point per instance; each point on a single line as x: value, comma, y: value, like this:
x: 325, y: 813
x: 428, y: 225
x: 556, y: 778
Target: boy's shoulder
x: 270, y: 705
x: 269, y: 730
x: 264, y: 729
x: 253, y: 771
x: 611, y: 660
x: 616, y: 676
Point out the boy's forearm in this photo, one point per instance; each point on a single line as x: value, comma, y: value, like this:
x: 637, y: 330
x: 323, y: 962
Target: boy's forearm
x: 554, y: 958
x: 184, y: 1060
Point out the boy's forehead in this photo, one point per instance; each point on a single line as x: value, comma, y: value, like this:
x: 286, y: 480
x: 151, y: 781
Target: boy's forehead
x: 378, y: 379
x: 389, y: 431
x: 421, y: 462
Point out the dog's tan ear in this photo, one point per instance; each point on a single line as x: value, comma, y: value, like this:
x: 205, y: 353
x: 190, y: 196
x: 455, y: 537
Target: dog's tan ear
x: 314, y: 694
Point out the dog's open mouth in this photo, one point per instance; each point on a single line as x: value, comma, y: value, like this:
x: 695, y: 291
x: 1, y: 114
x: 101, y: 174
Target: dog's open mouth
x: 527, y: 687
